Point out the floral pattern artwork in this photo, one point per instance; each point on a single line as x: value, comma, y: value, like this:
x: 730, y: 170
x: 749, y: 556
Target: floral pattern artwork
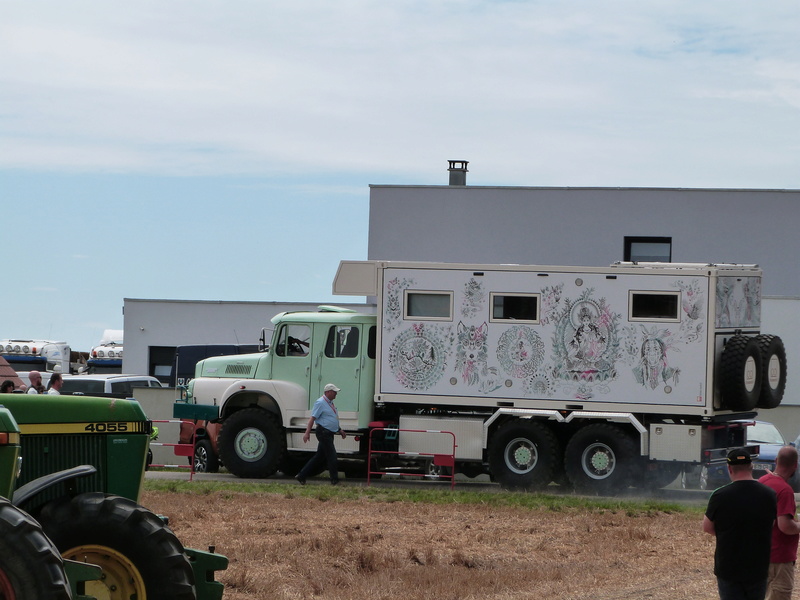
x: 585, y: 343
x: 393, y: 311
x: 418, y: 355
x: 693, y: 305
x: 551, y: 302
x: 474, y: 298
x: 520, y: 351
x: 472, y: 357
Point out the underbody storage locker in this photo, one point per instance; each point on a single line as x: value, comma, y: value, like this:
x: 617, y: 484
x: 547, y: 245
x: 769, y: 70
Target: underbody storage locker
x: 675, y: 443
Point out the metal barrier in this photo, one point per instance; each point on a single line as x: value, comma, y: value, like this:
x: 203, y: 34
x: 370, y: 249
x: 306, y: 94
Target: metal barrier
x: 186, y: 450
x: 439, y: 460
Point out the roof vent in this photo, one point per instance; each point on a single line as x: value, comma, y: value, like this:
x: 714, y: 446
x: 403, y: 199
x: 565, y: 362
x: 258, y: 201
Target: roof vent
x: 458, y: 172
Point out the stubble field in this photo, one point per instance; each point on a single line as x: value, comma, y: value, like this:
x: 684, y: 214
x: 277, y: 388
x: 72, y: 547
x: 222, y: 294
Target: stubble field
x: 313, y: 544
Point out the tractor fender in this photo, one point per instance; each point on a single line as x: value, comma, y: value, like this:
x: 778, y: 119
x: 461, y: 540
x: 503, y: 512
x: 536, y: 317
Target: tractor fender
x: 30, y: 489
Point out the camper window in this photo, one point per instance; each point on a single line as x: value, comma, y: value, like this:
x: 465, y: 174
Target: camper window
x: 436, y: 306
x: 515, y: 307
x: 654, y: 306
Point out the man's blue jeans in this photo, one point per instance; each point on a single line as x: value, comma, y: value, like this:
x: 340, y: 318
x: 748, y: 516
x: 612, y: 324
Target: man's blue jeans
x: 737, y: 590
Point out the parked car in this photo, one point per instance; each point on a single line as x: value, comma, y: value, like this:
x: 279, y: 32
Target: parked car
x: 107, y: 384
x: 763, y: 433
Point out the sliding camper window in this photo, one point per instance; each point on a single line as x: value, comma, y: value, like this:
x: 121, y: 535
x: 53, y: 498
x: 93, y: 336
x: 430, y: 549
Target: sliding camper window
x: 429, y: 306
x: 522, y: 308
x: 654, y: 306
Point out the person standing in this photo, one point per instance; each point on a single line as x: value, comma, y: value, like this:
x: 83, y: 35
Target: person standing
x: 741, y: 515
x: 56, y: 382
x: 36, y: 383
x: 786, y: 531
x: 326, y: 418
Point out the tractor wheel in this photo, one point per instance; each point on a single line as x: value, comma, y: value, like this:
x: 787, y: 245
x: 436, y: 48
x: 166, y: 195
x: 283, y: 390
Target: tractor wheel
x: 205, y: 459
x: 139, y: 554
x: 740, y: 373
x: 251, y: 443
x: 601, y: 459
x: 30, y: 565
x: 523, y: 454
x: 773, y: 370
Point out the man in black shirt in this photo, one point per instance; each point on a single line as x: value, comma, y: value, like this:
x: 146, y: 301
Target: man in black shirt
x: 741, y: 515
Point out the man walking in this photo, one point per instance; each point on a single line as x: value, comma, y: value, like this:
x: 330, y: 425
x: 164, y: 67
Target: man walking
x: 786, y: 531
x: 326, y: 418
x: 740, y: 515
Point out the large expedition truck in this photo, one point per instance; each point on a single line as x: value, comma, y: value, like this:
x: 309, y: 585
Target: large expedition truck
x: 599, y: 378
x: 82, y: 464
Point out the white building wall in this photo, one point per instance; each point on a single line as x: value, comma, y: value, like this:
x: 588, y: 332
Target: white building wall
x: 180, y: 322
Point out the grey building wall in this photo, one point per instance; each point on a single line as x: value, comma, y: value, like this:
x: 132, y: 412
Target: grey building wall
x: 587, y: 226
x: 167, y: 323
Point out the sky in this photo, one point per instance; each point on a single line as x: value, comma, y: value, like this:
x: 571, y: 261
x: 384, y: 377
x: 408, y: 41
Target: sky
x: 223, y: 150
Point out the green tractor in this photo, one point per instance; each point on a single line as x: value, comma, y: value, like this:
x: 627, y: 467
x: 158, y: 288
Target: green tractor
x: 83, y: 462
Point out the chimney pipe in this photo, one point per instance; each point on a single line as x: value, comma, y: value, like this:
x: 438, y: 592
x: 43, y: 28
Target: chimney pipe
x: 458, y: 172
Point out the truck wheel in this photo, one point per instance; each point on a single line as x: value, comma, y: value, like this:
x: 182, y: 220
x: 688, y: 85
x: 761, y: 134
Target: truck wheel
x: 740, y: 373
x: 773, y: 370
x: 251, y: 443
x: 30, y: 565
x: 139, y: 554
x: 600, y: 459
x: 523, y: 454
x: 659, y: 475
x: 205, y: 460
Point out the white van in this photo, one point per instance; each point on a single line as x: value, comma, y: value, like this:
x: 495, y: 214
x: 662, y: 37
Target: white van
x: 107, y: 384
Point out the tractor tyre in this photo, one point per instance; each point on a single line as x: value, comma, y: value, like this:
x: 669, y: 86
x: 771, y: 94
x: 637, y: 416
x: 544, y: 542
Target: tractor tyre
x: 139, y: 554
x: 741, y: 373
x: 523, y: 454
x: 30, y: 565
x: 252, y: 443
x: 601, y: 459
x: 773, y: 370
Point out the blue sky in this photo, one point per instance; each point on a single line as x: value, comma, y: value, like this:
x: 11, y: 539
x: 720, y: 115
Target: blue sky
x: 223, y: 150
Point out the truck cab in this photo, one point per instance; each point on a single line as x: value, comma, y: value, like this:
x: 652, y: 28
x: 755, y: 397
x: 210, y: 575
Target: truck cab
x: 265, y: 399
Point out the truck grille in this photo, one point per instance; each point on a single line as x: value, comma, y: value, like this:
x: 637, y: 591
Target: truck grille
x: 238, y: 370
x: 45, y: 454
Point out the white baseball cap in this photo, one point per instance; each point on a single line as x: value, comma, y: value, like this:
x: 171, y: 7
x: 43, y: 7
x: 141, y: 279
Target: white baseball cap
x: 329, y: 387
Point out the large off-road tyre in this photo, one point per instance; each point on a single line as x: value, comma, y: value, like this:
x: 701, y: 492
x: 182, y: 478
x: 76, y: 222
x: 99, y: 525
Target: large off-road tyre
x: 30, y: 565
x: 740, y: 373
x: 292, y: 462
x: 658, y: 475
x: 601, y: 459
x: 140, y: 556
x: 205, y: 459
x: 523, y: 454
x: 773, y: 370
x: 251, y: 443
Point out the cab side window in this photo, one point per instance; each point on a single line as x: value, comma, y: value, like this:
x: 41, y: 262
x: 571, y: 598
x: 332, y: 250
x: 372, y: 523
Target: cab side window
x: 294, y: 340
x: 342, y: 342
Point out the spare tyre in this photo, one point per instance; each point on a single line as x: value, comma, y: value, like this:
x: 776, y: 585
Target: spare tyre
x: 740, y: 373
x: 773, y: 370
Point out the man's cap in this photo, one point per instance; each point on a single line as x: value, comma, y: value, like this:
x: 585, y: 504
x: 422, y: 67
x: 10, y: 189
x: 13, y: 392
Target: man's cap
x: 329, y: 387
x: 739, y: 456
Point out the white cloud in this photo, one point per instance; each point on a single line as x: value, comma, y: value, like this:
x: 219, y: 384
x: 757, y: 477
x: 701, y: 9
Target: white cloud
x: 563, y: 93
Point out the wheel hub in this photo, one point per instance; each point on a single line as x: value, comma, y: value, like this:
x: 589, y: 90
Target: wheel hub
x: 121, y: 579
x: 598, y: 461
x: 250, y: 444
x: 521, y: 455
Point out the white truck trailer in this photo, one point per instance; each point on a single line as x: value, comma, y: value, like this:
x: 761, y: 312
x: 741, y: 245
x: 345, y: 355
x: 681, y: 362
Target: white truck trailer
x: 596, y: 377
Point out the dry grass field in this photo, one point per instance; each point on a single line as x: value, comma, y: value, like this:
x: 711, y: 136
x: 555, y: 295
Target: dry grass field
x: 315, y: 545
